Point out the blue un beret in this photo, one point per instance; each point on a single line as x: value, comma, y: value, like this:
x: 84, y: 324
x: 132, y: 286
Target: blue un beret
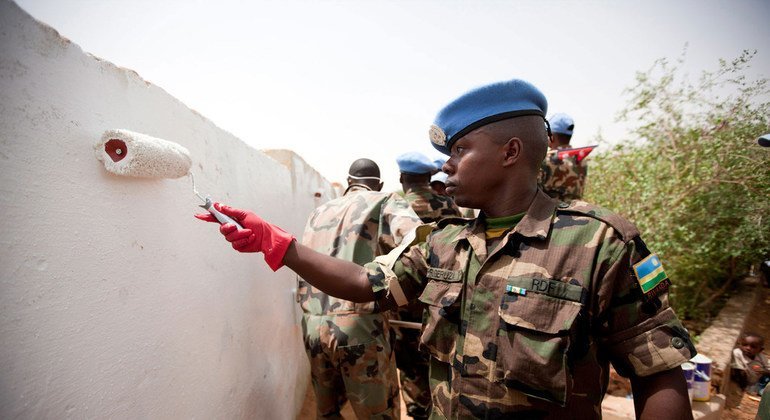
x: 439, y: 162
x: 415, y: 163
x: 562, y: 124
x: 485, y: 105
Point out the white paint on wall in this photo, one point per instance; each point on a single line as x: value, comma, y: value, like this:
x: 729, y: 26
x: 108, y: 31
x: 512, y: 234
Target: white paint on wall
x: 114, y: 301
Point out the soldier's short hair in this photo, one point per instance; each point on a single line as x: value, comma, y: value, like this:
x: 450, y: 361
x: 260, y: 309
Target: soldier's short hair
x: 364, y: 168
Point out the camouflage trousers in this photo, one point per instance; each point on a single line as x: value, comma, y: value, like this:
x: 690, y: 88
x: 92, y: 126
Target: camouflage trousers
x: 413, y: 365
x: 351, y: 359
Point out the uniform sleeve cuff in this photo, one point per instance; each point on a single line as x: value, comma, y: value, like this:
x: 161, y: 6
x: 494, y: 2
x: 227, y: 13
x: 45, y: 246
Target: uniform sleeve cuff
x: 662, y: 347
x: 387, y: 282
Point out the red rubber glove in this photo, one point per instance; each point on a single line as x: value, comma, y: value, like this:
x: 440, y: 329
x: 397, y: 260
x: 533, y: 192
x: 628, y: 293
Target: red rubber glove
x: 256, y: 236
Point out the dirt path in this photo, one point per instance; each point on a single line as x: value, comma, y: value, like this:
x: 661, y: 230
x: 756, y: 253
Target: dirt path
x: 739, y: 406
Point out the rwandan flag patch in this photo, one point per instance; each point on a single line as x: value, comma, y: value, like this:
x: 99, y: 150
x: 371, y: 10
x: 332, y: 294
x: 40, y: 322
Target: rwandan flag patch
x: 651, y: 277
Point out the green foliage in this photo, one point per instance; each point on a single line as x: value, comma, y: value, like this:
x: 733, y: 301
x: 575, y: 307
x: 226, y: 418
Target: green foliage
x: 693, y: 179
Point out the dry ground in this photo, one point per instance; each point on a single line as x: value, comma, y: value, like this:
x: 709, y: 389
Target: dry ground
x: 738, y: 405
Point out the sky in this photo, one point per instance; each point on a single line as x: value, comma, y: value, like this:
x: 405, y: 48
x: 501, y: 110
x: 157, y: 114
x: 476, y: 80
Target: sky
x: 339, y: 80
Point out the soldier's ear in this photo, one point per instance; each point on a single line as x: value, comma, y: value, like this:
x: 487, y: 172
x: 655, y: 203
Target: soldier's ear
x: 512, y: 150
x: 379, y: 187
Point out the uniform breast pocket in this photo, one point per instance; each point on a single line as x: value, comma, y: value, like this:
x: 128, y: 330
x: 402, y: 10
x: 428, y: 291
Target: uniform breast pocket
x: 533, y: 340
x: 439, y: 333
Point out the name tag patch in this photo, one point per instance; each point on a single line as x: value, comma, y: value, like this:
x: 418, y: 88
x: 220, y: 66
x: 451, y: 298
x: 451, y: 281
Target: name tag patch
x: 445, y: 275
x: 553, y: 288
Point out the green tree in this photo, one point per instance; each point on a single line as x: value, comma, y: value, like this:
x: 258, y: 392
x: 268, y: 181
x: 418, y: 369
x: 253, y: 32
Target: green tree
x: 693, y: 178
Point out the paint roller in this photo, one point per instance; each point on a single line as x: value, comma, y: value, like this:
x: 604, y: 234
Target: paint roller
x: 127, y: 153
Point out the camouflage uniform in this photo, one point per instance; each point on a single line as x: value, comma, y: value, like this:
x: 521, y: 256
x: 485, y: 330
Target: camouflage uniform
x: 430, y: 206
x: 563, y: 179
x: 413, y: 363
x: 348, y: 343
x: 527, y: 328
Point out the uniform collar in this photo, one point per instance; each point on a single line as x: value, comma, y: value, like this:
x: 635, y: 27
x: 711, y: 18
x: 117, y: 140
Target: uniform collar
x: 418, y: 189
x: 355, y: 188
x: 535, y: 224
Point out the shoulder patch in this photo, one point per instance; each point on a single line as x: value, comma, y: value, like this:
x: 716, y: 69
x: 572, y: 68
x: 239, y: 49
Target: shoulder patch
x: 626, y: 230
x: 651, y: 276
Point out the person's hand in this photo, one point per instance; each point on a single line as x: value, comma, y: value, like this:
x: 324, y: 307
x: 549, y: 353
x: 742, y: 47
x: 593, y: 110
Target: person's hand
x: 257, y: 235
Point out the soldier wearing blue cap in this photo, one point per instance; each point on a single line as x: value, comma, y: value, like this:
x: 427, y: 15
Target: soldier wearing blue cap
x: 415, y: 163
x: 528, y: 304
x: 563, y: 175
x: 416, y: 170
x: 563, y: 125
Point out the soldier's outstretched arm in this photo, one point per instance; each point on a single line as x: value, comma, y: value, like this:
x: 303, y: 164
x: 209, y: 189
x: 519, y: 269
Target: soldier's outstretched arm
x: 339, y: 278
x: 333, y: 276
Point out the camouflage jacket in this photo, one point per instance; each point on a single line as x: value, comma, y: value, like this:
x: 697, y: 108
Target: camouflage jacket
x: 430, y: 206
x: 563, y: 179
x: 529, y: 327
x: 356, y: 227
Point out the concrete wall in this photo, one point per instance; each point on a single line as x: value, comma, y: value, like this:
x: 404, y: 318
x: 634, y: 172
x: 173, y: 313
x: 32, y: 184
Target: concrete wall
x: 114, y: 301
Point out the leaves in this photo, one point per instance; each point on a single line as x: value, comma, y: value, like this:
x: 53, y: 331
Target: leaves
x: 692, y: 177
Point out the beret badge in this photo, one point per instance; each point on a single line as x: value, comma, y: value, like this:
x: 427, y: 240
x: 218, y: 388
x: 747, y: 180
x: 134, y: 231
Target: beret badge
x: 437, y: 135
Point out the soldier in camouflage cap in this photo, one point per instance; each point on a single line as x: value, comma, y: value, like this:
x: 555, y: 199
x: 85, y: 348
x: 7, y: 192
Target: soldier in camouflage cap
x: 415, y: 175
x: 529, y: 303
x: 562, y: 178
x: 348, y: 344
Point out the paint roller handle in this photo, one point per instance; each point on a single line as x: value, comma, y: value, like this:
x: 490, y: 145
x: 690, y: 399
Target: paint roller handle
x: 222, y: 218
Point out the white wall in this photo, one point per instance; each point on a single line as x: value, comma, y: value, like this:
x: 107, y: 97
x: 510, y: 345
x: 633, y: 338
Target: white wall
x: 114, y: 301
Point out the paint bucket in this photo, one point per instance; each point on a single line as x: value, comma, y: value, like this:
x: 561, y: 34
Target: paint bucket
x: 701, y: 387
x: 689, y: 375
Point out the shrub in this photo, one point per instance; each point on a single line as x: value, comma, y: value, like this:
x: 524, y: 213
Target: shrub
x: 693, y: 178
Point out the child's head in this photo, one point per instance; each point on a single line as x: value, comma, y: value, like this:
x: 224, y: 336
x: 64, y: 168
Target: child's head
x: 752, y: 344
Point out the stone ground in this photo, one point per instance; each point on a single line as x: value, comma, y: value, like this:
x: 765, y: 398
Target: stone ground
x: 738, y: 406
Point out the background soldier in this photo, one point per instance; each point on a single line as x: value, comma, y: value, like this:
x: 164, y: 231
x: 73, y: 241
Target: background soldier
x: 348, y: 343
x: 527, y: 304
x: 438, y: 179
x: 416, y: 170
x: 438, y: 183
x: 562, y: 178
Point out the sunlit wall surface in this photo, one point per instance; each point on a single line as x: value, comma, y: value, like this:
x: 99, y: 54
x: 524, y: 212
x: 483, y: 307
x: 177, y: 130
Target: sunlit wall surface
x: 114, y: 301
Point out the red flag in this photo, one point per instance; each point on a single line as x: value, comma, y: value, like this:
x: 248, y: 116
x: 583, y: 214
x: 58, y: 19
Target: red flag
x: 578, y: 152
